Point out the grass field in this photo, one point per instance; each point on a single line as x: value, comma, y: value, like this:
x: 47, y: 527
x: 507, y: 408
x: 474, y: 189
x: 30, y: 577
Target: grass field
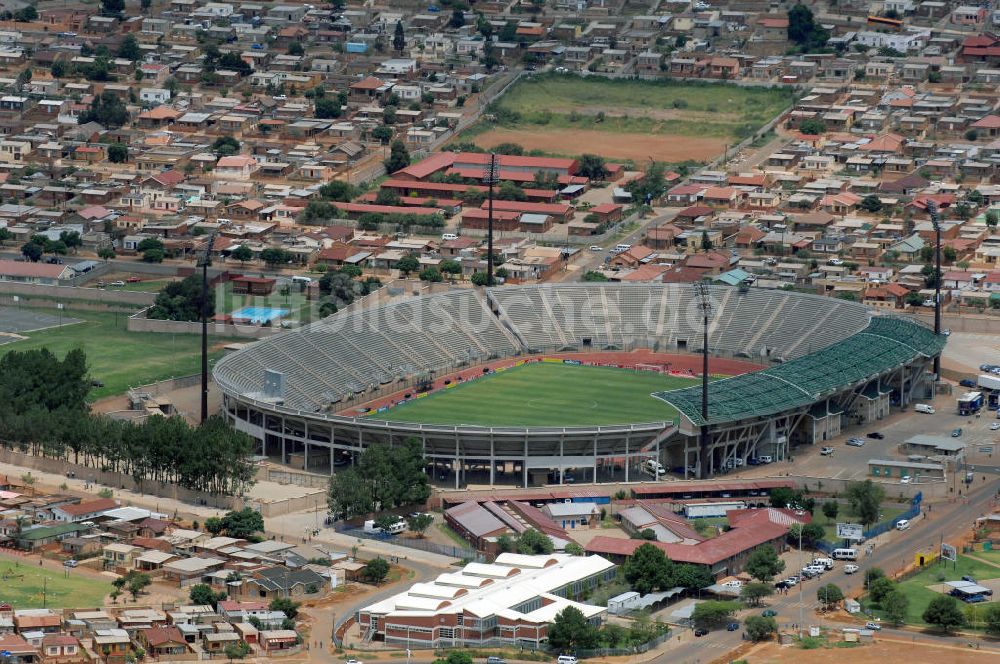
x: 845, y: 516
x: 572, y: 111
x: 23, y: 584
x: 115, y: 356
x: 915, y: 588
x: 547, y: 394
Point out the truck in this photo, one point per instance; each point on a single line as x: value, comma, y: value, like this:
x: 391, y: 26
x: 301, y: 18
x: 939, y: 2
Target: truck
x: 970, y: 403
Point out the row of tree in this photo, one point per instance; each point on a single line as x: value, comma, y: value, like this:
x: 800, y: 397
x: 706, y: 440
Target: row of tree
x: 43, y: 412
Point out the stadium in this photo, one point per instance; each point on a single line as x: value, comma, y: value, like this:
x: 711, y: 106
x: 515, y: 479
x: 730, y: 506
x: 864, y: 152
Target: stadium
x: 522, y: 385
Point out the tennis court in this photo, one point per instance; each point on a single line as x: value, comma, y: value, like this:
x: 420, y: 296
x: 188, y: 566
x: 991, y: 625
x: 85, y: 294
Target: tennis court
x: 15, y: 321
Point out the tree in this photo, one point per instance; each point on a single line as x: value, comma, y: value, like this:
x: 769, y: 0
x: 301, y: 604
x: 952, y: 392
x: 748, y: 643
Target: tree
x: 534, y: 542
x: 327, y: 108
x: 593, y: 275
x: 118, y: 153
x: 764, y: 564
x: 296, y: 48
x: 478, y: 278
x: 153, y: 256
x: 317, y: 212
x: 399, y: 157
x: 509, y: 191
x: 831, y: 509
x: 754, y: 593
x: 871, y: 203
x: 713, y: 613
x: 648, y: 569
x: 972, y: 135
x: 592, y: 166
x: 895, y: 605
x: 804, y: 31
x: 274, y: 256
x: 829, y: 595
x: 570, y: 630
x: 383, y: 134
x: 949, y: 254
x: 242, y: 253
x: 759, y: 628
x: 450, y: 267
x: 408, y: 264
x: 244, y: 523
x: 695, y: 577
x: 338, y: 190
x: 214, y: 525
x: 706, y: 244
x: 129, y: 48
x: 26, y: 14
x: 286, y: 606
x: 944, y: 613
x: 457, y: 19
x: 782, y: 497
x: 106, y: 109
x: 812, y: 127
x: 203, y: 595
x: 5, y: 235
x: 865, y: 499
x: 431, y: 275
x: 226, y: 146
x: 32, y: 251
x: 241, y: 648
x: 505, y: 544
x: 455, y: 657
x: 182, y: 301
x: 992, y: 219
x: 398, y: 38
x: 145, y: 4
x: 376, y: 570
x: 106, y: 253
x: 508, y: 148
x: 113, y: 6
x: 871, y: 574
x: 992, y: 619
x: 574, y: 549
x: 419, y: 523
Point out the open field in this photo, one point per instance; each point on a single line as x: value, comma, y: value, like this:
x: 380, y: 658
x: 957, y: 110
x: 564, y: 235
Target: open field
x: 117, y: 357
x: 637, y: 147
x: 24, y: 582
x: 547, y: 394
x: 917, y: 588
x: 883, y: 649
x: 627, y: 119
x: 845, y: 516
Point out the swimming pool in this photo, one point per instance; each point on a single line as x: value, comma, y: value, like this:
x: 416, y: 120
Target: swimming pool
x: 257, y: 315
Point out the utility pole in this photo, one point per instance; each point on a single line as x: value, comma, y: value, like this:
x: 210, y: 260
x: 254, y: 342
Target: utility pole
x: 490, y: 177
x: 935, y: 214
x: 205, y: 261
x: 705, y: 304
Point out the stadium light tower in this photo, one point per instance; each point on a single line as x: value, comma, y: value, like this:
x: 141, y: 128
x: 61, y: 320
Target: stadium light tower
x: 203, y: 262
x: 705, y: 304
x: 491, y: 175
x: 935, y: 214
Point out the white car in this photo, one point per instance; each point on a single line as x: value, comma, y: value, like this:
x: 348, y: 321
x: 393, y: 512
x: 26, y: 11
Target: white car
x: 595, y: 247
x: 826, y: 451
x: 836, y: 261
x: 850, y: 568
x: 873, y: 625
x: 905, y: 479
x: 995, y: 426
x: 928, y: 303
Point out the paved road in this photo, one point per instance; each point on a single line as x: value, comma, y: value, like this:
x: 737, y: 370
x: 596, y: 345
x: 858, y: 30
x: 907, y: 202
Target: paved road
x: 895, y: 551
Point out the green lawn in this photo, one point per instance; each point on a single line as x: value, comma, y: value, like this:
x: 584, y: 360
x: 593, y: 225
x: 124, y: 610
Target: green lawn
x: 661, y: 107
x: 920, y: 595
x: 845, y: 516
x: 24, y: 582
x: 149, y: 286
x: 547, y: 394
x: 115, y: 356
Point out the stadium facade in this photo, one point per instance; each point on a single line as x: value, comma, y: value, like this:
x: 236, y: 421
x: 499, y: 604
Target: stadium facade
x: 830, y: 363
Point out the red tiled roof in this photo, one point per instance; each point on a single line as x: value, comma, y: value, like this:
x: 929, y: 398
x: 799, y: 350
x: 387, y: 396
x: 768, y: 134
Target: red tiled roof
x: 989, y: 122
x: 89, y: 507
x: 498, y: 215
x: 159, y: 636
x: 365, y: 208
x: 30, y: 270
x: 535, y: 208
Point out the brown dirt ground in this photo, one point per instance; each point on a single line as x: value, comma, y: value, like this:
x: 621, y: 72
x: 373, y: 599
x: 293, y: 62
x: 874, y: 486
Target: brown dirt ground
x: 877, y: 653
x: 639, y: 147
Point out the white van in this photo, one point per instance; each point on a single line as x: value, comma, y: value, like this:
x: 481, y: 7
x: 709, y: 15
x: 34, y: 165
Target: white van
x: 654, y: 467
x: 850, y: 568
x: 302, y: 279
x: 567, y: 659
x: 924, y: 408
x: 903, y: 524
x: 448, y: 236
x: 845, y: 554
x: 619, y: 248
x: 767, y: 458
x: 825, y: 562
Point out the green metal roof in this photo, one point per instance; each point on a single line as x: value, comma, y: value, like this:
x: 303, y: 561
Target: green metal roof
x: 884, y: 345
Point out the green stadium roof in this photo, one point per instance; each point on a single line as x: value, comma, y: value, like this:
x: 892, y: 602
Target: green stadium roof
x: 885, y: 344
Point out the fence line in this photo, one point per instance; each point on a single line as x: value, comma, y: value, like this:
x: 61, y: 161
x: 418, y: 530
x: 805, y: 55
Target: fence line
x: 419, y: 544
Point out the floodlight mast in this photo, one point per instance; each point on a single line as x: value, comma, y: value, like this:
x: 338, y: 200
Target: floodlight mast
x: 935, y: 214
x: 491, y: 176
x: 203, y: 262
x: 705, y: 304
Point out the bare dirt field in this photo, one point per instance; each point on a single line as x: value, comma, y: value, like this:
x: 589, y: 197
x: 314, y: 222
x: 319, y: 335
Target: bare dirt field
x: 638, y: 147
x: 877, y: 653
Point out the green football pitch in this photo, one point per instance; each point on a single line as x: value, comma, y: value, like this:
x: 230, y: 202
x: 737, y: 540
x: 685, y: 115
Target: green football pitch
x: 544, y: 394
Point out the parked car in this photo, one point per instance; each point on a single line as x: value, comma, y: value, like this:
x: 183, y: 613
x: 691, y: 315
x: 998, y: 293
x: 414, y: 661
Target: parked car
x: 856, y: 442
x: 875, y: 435
x: 995, y: 426
x: 133, y: 280
x: 70, y: 563
x: 905, y: 479
x: 595, y: 247
x: 732, y: 627
x: 873, y: 625
x: 701, y: 631
x: 495, y: 660
x: 969, y: 579
x: 769, y: 613
x: 955, y: 433
x: 119, y: 284
x: 967, y: 382
x: 826, y: 451
x: 850, y: 568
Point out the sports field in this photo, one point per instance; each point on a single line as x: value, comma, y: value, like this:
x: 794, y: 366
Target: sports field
x: 544, y: 394
x: 118, y: 358
x: 24, y: 584
x: 668, y: 121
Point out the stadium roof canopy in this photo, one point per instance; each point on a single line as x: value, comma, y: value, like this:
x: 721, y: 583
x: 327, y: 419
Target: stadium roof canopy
x: 887, y: 343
